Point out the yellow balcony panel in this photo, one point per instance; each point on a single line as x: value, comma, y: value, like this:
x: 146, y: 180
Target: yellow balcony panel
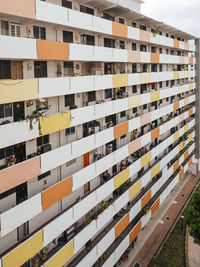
x: 18, y: 90
x: 145, y: 159
x: 55, y: 123
x: 120, y: 80
x: 121, y: 178
x: 176, y: 136
x: 155, y: 170
x: 155, y: 96
x: 181, y: 146
x: 145, y: 78
x: 62, y: 256
x: 181, y: 89
x: 190, y: 137
x: 134, y: 101
x: 191, y: 87
x: 135, y: 189
x: 176, y: 75
x: 186, y: 128
x: 24, y: 252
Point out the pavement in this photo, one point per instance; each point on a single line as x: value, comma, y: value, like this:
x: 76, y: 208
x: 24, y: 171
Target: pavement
x: 151, y: 237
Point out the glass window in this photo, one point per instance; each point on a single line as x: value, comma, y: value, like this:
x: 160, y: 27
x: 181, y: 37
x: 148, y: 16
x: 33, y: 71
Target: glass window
x: 40, y: 69
x: 122, y: 114
x: 121, y: 21
x: 69, y: 100
x: 5, y: 69
x: 91, y: 96
x: 42, y: 140
x: 108, y: 93
x: 4, y: 27
x: 134, y: 46
x: 39, y: 32
x: 87, y: 10
x: 69, y: 131
x: 143, y: 27
x: 5, y: 110
x: 134, y: 89
x: 67, y: 37
x: 67, y: 4
x: 42, y: 176
x: 134, y: 24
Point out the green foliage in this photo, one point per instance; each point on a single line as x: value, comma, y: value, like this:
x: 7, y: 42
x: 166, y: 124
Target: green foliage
x: 146, y: 210
x: 193, y: 217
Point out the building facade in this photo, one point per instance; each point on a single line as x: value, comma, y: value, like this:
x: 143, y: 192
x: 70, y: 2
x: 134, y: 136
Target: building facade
x: 97, y: 126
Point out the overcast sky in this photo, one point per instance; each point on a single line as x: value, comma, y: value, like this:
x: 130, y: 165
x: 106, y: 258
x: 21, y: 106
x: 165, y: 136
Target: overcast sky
x: 183, y: 14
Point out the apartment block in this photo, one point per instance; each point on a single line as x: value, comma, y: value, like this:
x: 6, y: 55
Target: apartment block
x: 97, y: 126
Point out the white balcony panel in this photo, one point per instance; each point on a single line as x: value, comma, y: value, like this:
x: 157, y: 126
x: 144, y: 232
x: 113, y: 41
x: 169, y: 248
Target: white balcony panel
x: 83, y: 145
x: 51, y: 13
x: 80, y: 20
x: 146, y: 179
x: 105, y: 242
x: 145, y: 98
x: 135, y: 167
x: 104, y: 137
x: 120, y: 55
x: 103, y: 82
x: 155, y: 188
x: 145, y: 57
x: 121, y: 154
x: 134, y: 124
x: 20, y: 214
x: 86, y: 234
x: 145, y: 219
x: 103, y: 110
x: 155, y: 77
x: 120, y: 105
x: 121, y: 201
x: 135, y: 210
x: 89, y: 259
x: 121, y: 248
x: 192, y: 47
x: 105, y: 217
x: 82, y: 115
x: 17, y: 48
x: 103, y: 54
x: 102, y: 25
x: 133, y: 79
x: 104, y: 163
x: 105, y: 190
x: 81, y: 52
x: 163, y: 196
x: 55, y: 158
x: 85, y: 205
x: 156, y: 39
x: 57, y: 226
x: 133, y: 33
x: 83, y: 176
x: 14, y: 133
x: 82, y: 84
x: 145, y: 139
x: 110, y: 261
x: 50, y: 87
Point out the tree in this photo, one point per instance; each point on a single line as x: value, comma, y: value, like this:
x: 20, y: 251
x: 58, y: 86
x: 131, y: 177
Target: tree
x: 193, y: 217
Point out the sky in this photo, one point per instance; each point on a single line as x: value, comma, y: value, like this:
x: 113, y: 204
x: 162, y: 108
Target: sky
x: 182, y: 14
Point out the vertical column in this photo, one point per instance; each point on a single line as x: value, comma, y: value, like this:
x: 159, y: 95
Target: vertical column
x: 197, y: 115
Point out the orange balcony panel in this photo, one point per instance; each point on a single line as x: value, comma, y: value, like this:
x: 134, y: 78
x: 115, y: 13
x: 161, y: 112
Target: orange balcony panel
x: 155, y: 207
x: 191, y: 61
x: 176, y: 165
x: 19, y: 174
x: 119, y: 228
x: 190, y: 163
x: 120, y: 130
x: 50, y: 50
x: 146, y: 198
x: 146, y: 118
x: 186, y: 154
x: 56, y: 193
x: 133, y: 234
x: 176, y: 105
x: 155, y: 133
x: 134, y: 145
x: 190, y: 112
x: 21, y: 8
x: 186, y: 46
x: 181, y: 174
x: 145, y: 36
x: 176, y: 44
x: 155, y: 58
x: 86, y: 159
x: 119, y: 29
x: 133, y: 56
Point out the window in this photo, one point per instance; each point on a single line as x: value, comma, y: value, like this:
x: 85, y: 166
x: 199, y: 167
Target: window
x: 43, y: 140
x: 134, y: 110
x: 40, y: 69
x: 154, y: 67
x: 121, y: 21
x: 122, y: 44
x: 42, y: 176
x: 71, y: 162
x: 87, y: 10
x: 67, y: 37
x: 108, y: 17
x: 69, y: 100
x: 160, y: 50
x: 5, y: 110
x: 91, y: 96
x: 42, y: 104
x: 134, y: 67
x: 167, y: 51
x: 153, y: 49
x: 109, y: 42
x: 143, y: 48
x: 160, y: 32
x: 172, y: 36
x: 87, y: 39
x: 69, y: 131
x: 145, y: 106
x: 143, y: 27
x: 134, y: 24
x: 68, y: 68
x: 167, y: 34
x: 160, y: 84
x: 108, y: 93
x: 167, y: 83
x: 67, y: 4
x: 6, y: 152
x: 39, y: 32
x: 4, y: 27
x: 134, y: 47
x: 122, y: 114
x: 5, y: 69
x: 134, y: 89
x: 15, y: 30
x: 160, y: 67
x: 167, y: 99
x: 143, y: 88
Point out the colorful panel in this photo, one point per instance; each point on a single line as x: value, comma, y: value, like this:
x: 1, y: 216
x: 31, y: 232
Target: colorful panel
x: 191, y: 86
x: 145, y: 159
x: 155, y: 207
x: 119, y: 228
x: 119, y: 29
x: 155, y: 96
x: 135, y: 189
x: 176, y: 75
x: 181, y: 146
x: 186, y: 128
x: 176, y: 165
x: 134, y: 145
x: 155, y: 58
x: 51, y: 50
x: 176, y: 44
x: 191, y: 60
x: 176, y: 136
x: 155, y: 170
x: 146, y: 118
x: 146, y: 198
x: 155, y: 133
x: 176, y: 105
x: 133, y: 234
x: 55, y: 123
x: 134, y: 101
x: 133, y: 56
x: 181, y: 174
x: 120, y: 130
x: 186, y: 154
x: 121, y: 178
x: 120, y: 80
x: 145, y: 78
x: 145, y: 36
x: 86, y: 159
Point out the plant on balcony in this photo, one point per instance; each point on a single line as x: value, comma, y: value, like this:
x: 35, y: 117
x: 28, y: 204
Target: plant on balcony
x: 137, y: 115
x: 59, y: 70
x: 155, y: 31
x: 128, y: 117
x: 146, y: 210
